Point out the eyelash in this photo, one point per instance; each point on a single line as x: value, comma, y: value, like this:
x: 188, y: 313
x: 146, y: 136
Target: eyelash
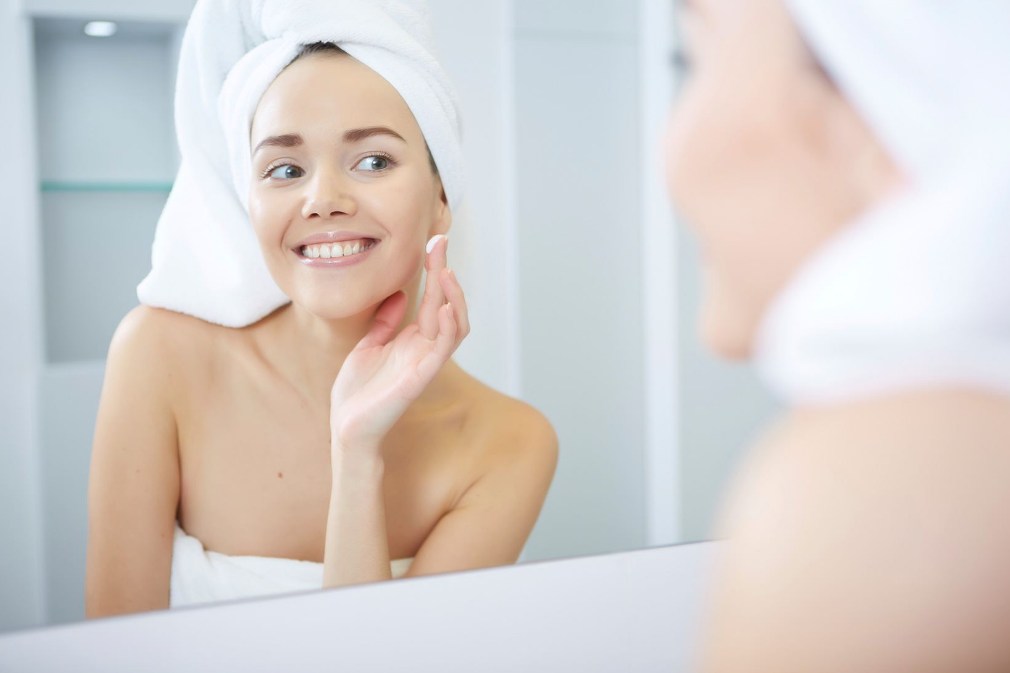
x: 271, y: 168
x: 680, y: 60
x: 381, y: 155
x: 274, y: 166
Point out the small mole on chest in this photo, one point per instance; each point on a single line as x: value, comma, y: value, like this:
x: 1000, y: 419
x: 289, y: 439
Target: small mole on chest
x: 280, y: 475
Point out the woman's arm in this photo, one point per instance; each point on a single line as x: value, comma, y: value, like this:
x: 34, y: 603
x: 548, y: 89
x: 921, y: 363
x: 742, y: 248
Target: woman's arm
x: 357, y: 548
x: 134, y: 481
x: 377, y: 382
x: 871, y: 537
x: 487, y: 527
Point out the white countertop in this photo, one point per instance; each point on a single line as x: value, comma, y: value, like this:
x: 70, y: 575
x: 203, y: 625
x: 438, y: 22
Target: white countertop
x: 619, y: 613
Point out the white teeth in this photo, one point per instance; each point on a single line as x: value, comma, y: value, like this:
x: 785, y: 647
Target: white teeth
x: 335, y: 250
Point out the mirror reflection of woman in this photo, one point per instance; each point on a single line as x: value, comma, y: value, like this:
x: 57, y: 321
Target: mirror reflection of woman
x: 845, y: 165
x: 332, y: 441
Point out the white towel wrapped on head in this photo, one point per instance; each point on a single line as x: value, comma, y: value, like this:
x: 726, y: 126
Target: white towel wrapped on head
x: 206, y: 261
x: 916, y: 291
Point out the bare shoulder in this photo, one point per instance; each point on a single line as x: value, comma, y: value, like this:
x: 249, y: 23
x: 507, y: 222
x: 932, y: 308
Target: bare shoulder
x: 148, y: 329
x: 162, y: 345
x: 507, y: 427
x: 134, y: 481
x: 520, y: 427
x: 891, y: 448
x: 855, y: 534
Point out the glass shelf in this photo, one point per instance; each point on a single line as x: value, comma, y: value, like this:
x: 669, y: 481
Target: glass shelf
x: 74, y: 186
x: 97, y: 248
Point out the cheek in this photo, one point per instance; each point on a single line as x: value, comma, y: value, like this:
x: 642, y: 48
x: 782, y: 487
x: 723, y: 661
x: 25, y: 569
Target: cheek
x: 684, y: 134
x: 708, y: 174
x: 266, y: 215
x: 404, y: 216
x: 401, y: 212
x: 710, y: 153
x: 727, y: 175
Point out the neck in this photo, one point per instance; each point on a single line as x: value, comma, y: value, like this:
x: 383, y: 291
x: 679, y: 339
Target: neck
x: 311, y: 350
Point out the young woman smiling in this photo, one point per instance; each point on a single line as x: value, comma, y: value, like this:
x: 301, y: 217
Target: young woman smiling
x: 335, y: 437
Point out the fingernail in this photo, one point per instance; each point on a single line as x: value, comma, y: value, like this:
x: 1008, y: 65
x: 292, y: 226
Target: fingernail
x: 431, y: 244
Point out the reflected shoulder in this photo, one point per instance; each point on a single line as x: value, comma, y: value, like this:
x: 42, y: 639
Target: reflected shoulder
x: 861, y: 530
x: 174, y: 332
x: 163, y: 348
x: 148, y: 327
x: 507, y: 429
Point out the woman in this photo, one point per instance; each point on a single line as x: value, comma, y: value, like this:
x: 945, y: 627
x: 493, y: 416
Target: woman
x: 331, y: 441
x: 845, y: 165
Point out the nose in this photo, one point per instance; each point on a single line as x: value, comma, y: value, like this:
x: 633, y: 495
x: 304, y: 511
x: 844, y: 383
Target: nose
x: 327, y: 197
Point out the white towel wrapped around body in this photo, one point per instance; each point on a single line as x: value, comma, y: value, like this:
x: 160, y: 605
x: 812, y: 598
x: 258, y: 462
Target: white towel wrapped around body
x: 201, y: 576
x: 205, y: 260
x: 915, y: 292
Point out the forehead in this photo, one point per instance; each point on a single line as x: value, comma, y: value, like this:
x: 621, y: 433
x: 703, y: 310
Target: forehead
x: 335, y: 91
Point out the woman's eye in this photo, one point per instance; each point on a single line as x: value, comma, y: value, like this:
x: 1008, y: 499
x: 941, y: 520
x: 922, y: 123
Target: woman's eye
x: 373, y: 163
x: 681, y: 61
x: 285, y: 172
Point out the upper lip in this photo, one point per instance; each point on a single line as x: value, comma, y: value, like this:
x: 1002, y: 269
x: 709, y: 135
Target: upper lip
x: 332, y: 237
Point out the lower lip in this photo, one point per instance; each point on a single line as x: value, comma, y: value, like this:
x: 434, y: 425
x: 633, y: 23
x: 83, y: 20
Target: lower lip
x: 335, y: 262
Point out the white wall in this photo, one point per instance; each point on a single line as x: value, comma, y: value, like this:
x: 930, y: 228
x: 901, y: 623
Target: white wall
x: 578, y: 208
x: 473, y: 45
x: 104, y: 116
x: 660, y: 307
x: 21, y: 593
x: 120, y: 10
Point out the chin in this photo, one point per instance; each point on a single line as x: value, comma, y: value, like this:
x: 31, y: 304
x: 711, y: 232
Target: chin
x: 725, y: 335
x: 330, y: 307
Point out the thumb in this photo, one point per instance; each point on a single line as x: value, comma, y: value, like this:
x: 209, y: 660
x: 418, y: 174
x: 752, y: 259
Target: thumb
x: 387, y: 320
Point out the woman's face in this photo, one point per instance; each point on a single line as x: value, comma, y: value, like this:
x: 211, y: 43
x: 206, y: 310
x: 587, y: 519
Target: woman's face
x: 343, y: 196
x: 765, y: 159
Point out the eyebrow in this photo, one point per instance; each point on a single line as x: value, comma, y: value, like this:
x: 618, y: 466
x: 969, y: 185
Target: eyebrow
x: 351, y: 136
x: 286, y: 140
x: 355, y: 135
x: 688, y: 6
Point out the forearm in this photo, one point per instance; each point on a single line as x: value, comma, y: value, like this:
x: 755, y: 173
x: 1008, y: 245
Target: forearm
x: 356, y: 550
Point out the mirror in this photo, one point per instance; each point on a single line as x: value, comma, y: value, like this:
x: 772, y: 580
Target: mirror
x: 581, y: 291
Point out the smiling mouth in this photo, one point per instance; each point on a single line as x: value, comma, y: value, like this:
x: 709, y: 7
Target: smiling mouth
x: 335, y: 250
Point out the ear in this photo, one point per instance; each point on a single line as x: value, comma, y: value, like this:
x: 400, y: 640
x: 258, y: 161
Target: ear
x: 443, y: 214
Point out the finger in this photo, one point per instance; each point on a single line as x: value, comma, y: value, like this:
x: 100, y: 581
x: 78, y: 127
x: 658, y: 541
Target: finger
x: 438, y: 252
x: 386, y: 322
x: 445, y: 344
x: 454, y: 295
x: 433, y: 299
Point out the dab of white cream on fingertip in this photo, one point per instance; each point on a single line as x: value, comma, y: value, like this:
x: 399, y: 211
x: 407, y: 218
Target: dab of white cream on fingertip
x: 431, y: 244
